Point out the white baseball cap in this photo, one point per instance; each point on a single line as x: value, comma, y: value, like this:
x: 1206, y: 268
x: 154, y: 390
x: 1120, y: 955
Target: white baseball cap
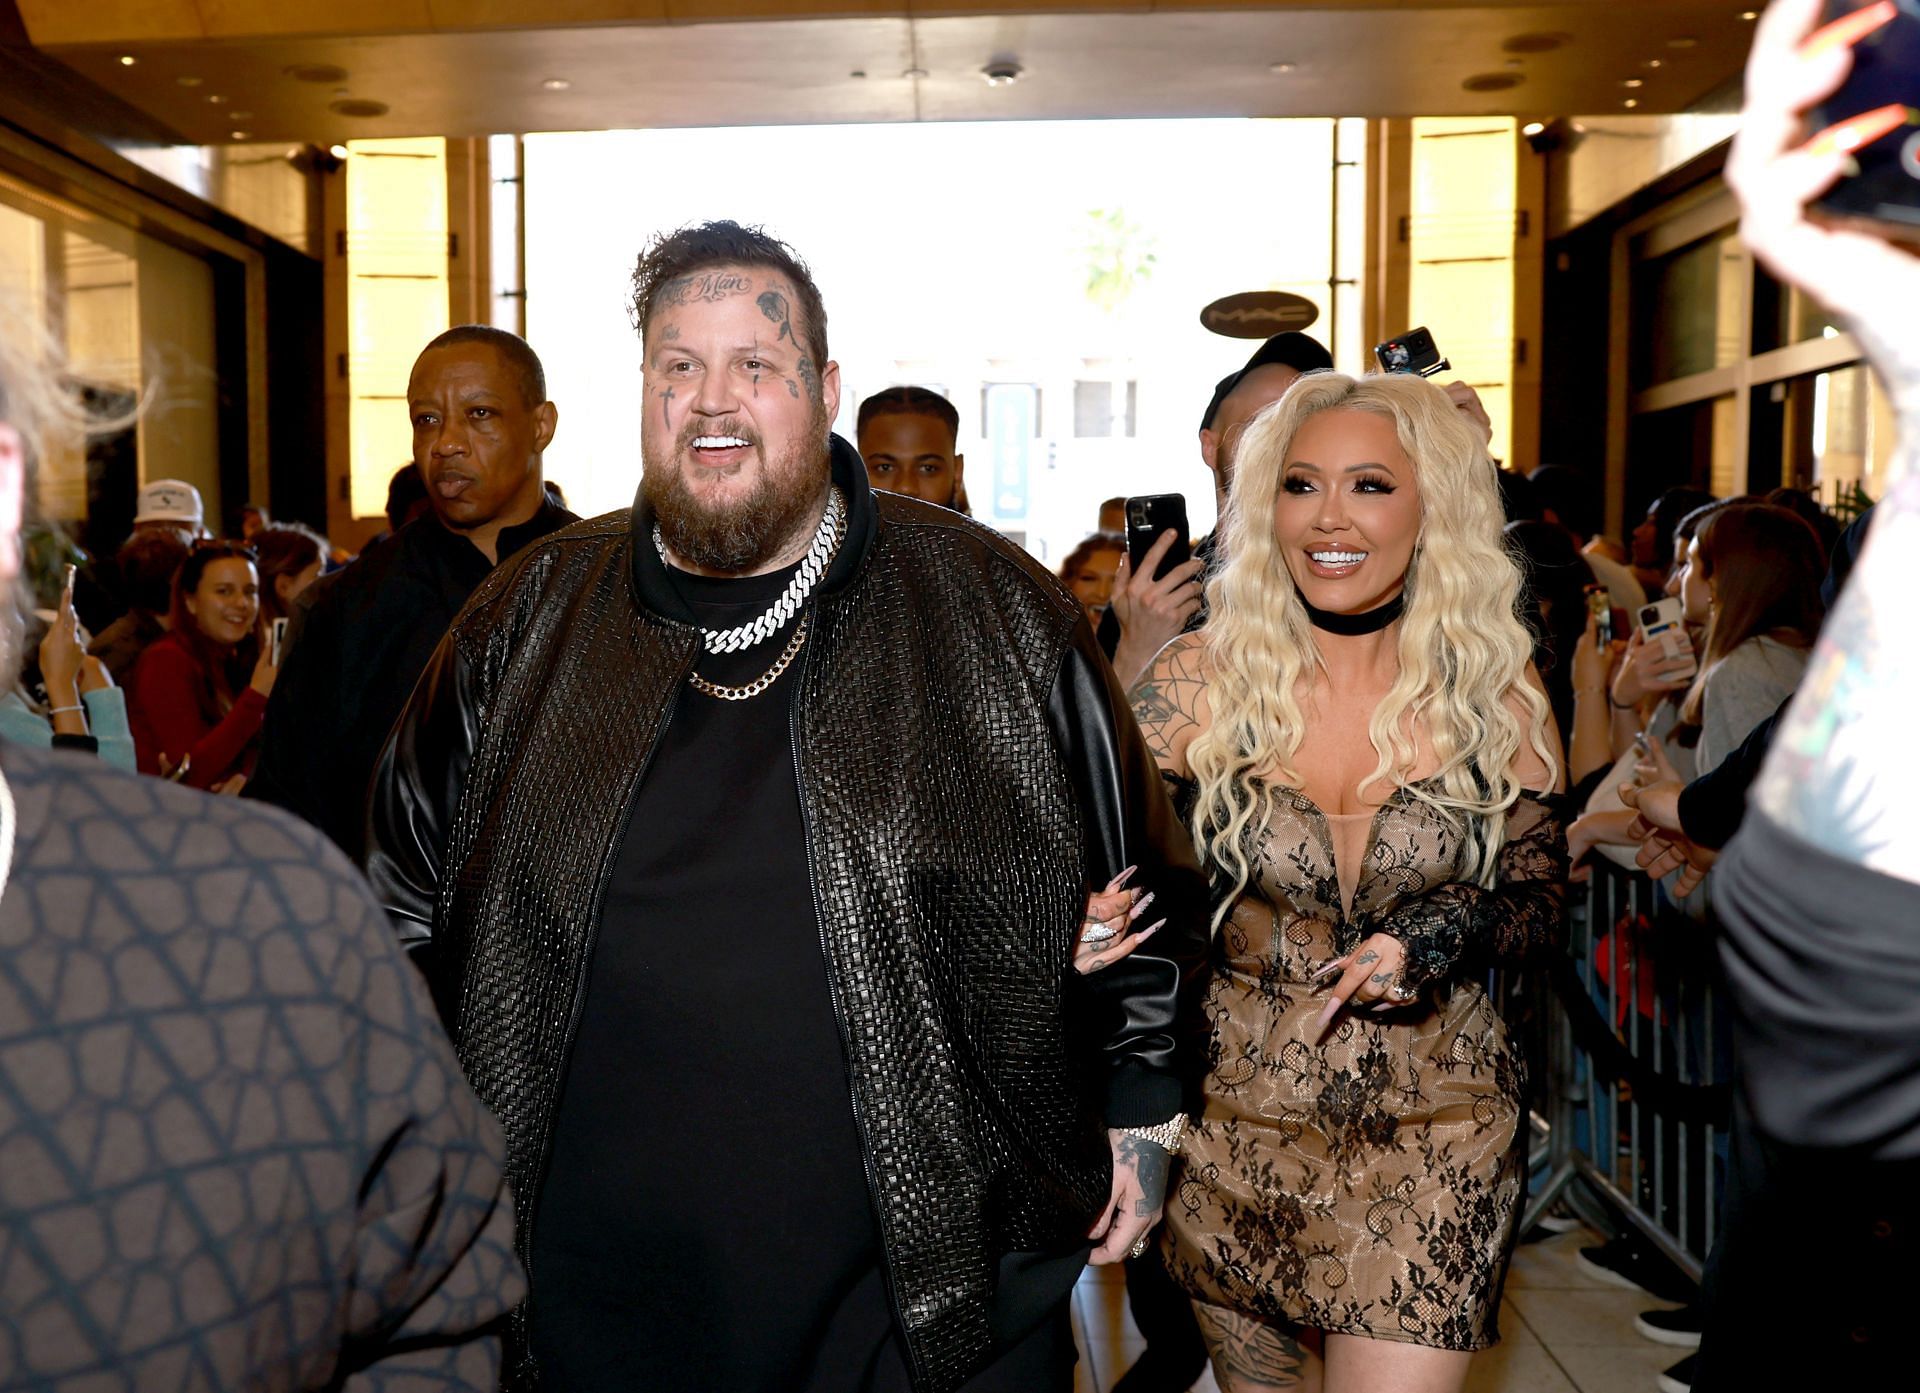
x: 171, y: 500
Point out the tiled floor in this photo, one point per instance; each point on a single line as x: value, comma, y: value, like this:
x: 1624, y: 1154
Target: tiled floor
x: 1563, y: 1331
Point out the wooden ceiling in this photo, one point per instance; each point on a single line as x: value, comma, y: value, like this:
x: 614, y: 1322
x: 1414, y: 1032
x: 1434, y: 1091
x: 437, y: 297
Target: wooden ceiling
x: 333, y: 70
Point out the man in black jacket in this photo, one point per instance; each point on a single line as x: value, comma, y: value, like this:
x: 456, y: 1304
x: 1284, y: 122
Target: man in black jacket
x: 746, y: 845
x: 362, y: 636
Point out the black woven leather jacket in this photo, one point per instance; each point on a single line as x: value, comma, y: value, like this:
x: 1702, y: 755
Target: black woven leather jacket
x: 984, y: 1070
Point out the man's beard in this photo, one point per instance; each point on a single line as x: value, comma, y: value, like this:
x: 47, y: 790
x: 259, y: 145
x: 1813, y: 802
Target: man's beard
x: 743, y: 534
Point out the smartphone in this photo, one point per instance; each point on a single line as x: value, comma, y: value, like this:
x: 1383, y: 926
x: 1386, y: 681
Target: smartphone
x: 1663, y: 623
x: 1886, y: 72
x: 1413, y: 352
x: 277, y: 640
x: 1600, y: 606
x: 1147, y: 517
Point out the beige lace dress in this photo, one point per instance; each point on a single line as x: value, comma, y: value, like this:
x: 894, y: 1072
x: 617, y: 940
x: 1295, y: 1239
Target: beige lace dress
x: 1367, y: 1183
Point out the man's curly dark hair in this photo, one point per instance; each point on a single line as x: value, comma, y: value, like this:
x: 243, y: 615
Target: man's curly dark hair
x: 672, y: 258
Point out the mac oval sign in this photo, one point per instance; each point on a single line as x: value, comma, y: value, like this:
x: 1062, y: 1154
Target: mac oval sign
x: 1259, y: 314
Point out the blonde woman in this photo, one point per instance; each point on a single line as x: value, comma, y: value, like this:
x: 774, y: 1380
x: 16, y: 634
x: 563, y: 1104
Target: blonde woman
x: 1369, y: 768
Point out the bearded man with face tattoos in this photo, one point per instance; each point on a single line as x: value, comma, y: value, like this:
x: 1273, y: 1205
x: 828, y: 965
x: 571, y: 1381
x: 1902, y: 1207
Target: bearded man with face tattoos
x: 780, y: 1011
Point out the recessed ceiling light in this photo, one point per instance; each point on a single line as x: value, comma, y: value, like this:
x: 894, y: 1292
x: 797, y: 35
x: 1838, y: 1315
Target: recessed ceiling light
x: 339, y: 152
x: 1533, y: 128
x: 242, y: 135
x: 1749, y: 14
x: 1653, y: 62
x: 556, y: 84
x: 1634, y: 82
x: 916, y: 73
x: 858, y: 72
x: 1631, y: 103
x: 188, y: 81
x: 1002, y: 72
x: 242, y: 115
x: 357, y: 106
x: 1281, y: 69
x: 1684, y: 41
x: 216, y: 99
x: 127, y: 60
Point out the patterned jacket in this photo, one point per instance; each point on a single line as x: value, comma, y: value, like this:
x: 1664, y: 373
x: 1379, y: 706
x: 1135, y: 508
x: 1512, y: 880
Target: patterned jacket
x: 236, y: 1151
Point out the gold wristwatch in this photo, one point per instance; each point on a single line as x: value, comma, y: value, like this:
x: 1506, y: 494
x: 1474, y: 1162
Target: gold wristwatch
x: 1167, y: 1135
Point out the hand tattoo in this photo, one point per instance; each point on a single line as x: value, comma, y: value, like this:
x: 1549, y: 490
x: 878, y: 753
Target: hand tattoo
x: 1367, y: 957
x: 1150, y: 1163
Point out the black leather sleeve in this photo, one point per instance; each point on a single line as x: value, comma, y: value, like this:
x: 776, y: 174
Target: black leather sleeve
x: 1138, y: 1013
x: 415, y: 793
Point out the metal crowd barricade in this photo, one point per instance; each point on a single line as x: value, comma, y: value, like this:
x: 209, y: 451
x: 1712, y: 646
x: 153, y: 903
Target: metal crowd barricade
x: 1626, y: 1038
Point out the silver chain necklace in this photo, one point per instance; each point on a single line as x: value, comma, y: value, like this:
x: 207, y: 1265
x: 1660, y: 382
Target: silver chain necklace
x: 826, y: 542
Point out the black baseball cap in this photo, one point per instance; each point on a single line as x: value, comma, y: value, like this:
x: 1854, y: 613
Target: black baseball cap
x: 1292, y: 349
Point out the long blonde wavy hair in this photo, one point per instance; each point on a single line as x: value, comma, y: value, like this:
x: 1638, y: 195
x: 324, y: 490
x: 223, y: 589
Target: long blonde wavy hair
x: 1463, y: 650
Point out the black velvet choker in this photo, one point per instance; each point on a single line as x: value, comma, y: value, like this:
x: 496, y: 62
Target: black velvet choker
x: 1349, y: 625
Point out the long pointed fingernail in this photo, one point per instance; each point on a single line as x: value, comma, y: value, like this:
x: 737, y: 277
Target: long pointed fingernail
x: 1326, y: 1017
x: 1326, y: 969
x: 1862, y: 130
x: 1149, y: 931
x: 1848, y: 30
x: 1119, y: 882
x: 1140, y: 907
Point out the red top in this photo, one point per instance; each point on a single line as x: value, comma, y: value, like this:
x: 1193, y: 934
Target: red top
x: 172, y: 709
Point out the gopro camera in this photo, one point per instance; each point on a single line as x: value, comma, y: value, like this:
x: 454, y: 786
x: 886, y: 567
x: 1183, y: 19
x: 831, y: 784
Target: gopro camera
x: 1413, y: 352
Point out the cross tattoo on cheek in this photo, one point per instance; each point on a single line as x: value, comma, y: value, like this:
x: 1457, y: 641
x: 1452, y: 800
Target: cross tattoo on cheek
x: 666, y: 402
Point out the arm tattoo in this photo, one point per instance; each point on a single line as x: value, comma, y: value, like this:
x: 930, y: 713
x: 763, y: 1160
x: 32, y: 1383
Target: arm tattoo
x: 1149, y: 1163
x: 1253, y: 1355
x: 1165, y: 701
x: 1843, y: 766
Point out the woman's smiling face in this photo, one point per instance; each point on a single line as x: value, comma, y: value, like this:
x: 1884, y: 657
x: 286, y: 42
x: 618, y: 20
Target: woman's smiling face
x: 1347, y: 516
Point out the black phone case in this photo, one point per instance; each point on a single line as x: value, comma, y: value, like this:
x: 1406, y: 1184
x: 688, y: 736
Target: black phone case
x: 1163, y: 511
x: 1886, y: 70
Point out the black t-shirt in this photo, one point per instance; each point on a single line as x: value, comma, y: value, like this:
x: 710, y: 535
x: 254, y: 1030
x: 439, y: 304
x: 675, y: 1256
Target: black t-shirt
x: 705, y: 1219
